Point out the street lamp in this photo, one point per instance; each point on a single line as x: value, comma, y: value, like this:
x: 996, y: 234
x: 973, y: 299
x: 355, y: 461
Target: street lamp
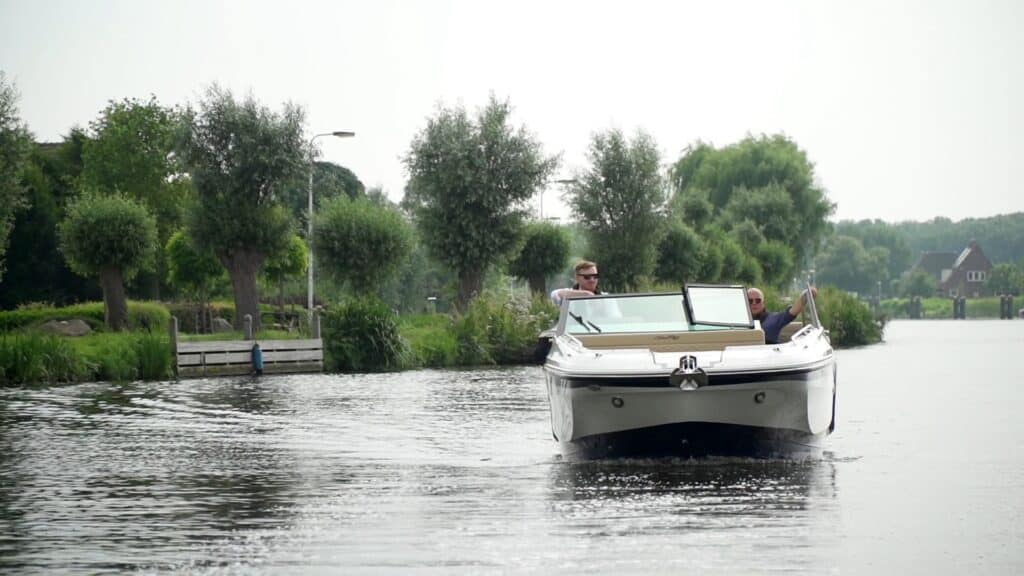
x: 309, y: 223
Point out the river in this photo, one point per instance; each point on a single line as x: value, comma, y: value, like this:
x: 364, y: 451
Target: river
x: 439, y: 472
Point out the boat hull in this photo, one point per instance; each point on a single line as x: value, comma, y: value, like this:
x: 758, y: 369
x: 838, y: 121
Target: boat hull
x: 784, y: 414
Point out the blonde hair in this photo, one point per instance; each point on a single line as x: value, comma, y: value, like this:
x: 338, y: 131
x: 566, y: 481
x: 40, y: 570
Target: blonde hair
x: 583, y: 265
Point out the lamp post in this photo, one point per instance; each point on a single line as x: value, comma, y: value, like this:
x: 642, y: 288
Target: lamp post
x: 309, y: 222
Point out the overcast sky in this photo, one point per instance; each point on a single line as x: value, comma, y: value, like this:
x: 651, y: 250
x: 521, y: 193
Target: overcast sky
x: 909, y: 110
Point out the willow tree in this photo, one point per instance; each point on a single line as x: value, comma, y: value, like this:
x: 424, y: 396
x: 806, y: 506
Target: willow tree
x: 240, y: 155
x: 111, y: 237
x: 544, y: 252
x: 360, y: 243
x: 619, y: 201
x: 469, y: 180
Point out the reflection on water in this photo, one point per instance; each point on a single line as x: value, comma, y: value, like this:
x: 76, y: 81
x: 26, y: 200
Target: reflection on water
x: 456, y: 471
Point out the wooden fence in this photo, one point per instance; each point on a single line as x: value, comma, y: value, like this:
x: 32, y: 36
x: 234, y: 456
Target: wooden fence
x: 232, y: 357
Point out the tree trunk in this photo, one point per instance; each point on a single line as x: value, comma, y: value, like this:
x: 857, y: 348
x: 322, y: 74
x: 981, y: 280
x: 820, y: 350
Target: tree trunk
x: 243, y: 266
x: 114, y: 303
x: 537, y: 286
x: 470, y: 285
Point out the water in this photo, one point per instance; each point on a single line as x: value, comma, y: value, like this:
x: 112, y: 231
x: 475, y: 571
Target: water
x: 438, y: 472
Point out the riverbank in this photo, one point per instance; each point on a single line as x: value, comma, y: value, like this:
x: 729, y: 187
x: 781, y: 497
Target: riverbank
x: 359, y: 336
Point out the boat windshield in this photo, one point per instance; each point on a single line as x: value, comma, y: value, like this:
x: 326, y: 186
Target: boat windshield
x: 625, y: 314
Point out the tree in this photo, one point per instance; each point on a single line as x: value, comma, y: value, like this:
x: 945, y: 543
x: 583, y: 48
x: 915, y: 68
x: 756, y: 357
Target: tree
x: 756, y: 167
x: 544, y: 252
x: 360, y: 243
x: 15, y: 146
x: 919, y: 283
x: 680, y: 254
x: 329, y: 181
x: 618, y: 201
x: 130, y: 151
x: 845, y: 264
x: 469, y: 180
x: 240, y: 154
x: 776, y: 260
x: 1004, y: 279
x: 196, y: 273
x: 112, y: 237
x: 291, y: 263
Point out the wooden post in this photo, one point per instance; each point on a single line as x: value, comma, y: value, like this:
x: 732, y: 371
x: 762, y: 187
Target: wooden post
x: 248, y: 326
x: 314, y: 329
x: 172, y: 327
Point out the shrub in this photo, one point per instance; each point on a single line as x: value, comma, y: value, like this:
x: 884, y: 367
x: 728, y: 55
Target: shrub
x: 849, y: 320
x: 431, y: 339
x: 141, y: 315
x: 362, y: 336
x: 497, y: 331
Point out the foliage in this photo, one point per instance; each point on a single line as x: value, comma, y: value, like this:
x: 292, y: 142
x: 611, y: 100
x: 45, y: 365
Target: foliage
x: 150, y: 316
x: 468, y: 182
x: 15, y: 146
x: 196, y: 273
x: 1005, y: 279
x: 36, y: 271
x: 845, y: 263
x: 360, y: 243
x: 919, y: 283
x: 107, y: 231
x: 618, y: 201
x: 431, y: 339
x: 876, y: 233
x: 1001, y: 237
x: 776, y: 261
x: 544, y: 252
x: 330, y: 181
x: 240, y: 154
x: 290, y: 263
x: 499, y: 331
x: 680, y: 254
x: 749, y: 179
x: 34, y: 358
x: 362, y: 336
x: 848, y: 319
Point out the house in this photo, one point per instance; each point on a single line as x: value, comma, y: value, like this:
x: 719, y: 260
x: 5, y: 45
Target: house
x: 962, y: 274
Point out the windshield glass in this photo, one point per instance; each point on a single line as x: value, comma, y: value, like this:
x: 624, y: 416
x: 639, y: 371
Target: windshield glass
x: 719, y: 305
x: 623, y: 314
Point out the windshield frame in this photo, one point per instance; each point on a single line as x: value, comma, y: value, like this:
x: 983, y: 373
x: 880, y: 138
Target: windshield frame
x: 566, y: 319
x: 690, y: 316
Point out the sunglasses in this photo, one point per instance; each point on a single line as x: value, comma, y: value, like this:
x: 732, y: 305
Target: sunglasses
x: 589, y: 276
x: 754, y: 300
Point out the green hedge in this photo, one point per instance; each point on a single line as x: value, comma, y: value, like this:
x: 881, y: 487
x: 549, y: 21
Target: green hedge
x: 150, y: 316
x: 848, y: 319
x: 362, y: 336
x: 496, y: 330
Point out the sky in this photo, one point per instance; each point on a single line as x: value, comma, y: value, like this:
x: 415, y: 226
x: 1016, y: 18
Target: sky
x: 909, y: 110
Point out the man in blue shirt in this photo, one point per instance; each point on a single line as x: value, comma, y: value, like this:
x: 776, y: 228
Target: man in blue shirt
x: 773, y: 323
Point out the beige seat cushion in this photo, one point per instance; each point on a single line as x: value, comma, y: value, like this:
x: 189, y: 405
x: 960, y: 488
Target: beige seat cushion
x: 696, y: 341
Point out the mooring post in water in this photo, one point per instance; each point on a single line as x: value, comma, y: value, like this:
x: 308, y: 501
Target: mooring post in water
x: 248, y: 326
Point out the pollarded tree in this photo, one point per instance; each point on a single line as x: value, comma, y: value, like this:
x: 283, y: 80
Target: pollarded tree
x: 239, y: 155
x: 112, y: 237
x: 15, y: 146
x: 918, y: 283
x: 360, y: 243
x: 469, y: 180
x: 619, y: 200
x: 544, y: 252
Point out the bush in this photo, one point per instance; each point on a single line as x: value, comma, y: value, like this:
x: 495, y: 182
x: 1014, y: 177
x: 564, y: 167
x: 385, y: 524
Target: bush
x: 498, y: 331
x: 431, y: 339
x: 362, y: 336
x: 150, y: 316
x: 34, y: 358
x: 848, y: 320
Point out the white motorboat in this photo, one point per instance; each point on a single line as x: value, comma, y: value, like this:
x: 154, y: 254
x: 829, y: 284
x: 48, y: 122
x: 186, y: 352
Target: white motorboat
x: 686, y: 374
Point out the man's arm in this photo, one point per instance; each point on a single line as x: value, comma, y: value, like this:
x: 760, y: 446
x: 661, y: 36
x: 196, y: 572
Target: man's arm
x: 798, y: 306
